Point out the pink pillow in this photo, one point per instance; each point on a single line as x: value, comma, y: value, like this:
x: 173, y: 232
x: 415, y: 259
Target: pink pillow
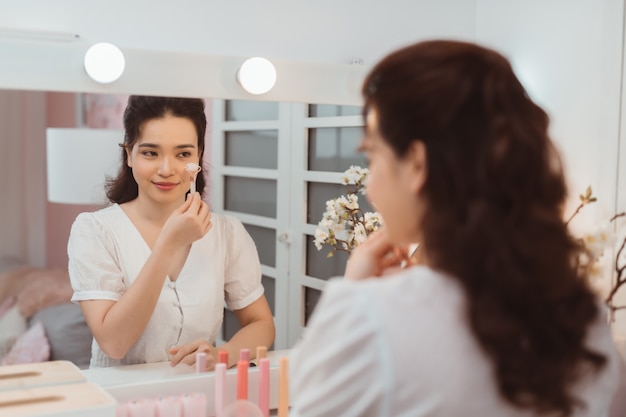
x: 32, y: 346
x: 7, y: 304
x: 47, y: 287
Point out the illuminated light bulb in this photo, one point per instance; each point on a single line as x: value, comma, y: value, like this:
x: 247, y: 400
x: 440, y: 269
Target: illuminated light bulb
x: 257, y: 75
x: 104, y: 62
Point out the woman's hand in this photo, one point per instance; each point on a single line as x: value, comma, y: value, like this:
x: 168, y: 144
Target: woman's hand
x: 375, y: 257
x: 187, y: 354
x: 187, y: 223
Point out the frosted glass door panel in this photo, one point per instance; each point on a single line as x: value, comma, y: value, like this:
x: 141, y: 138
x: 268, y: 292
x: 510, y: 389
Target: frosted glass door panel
x: 311, y: 297
x: 253, y: 149
x: 317, y: 195
x: 269, y: 284
x: 250, y: 195
x: 334, y: 148
x: 331, y: 110
x: 231, y: 325
x: 239, y: 110
x: 265, y: 240
x: 318, y: 265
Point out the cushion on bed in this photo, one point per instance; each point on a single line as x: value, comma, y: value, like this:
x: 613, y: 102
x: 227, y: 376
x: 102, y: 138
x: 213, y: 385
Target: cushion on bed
x: 7, y: 304
x: 12, y: 326
x: 13, y: 280
x: 68, y: 333
x: 39, y: 298
x: 30, y: 347
x: 46, y: 287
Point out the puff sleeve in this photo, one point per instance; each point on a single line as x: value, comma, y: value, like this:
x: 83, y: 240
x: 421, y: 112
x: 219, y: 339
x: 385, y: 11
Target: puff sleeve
x: 242, y: 270
x: 94, y: 268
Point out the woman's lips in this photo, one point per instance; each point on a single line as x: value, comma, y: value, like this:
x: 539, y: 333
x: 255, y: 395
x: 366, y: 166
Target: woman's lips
x: 165, y: 186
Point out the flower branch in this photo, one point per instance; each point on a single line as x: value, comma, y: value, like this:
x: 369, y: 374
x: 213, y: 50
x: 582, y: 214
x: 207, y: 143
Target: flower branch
x: 344, y: 224
x: 594, y: 246
x: 585, y: 199
x: 619, y: 280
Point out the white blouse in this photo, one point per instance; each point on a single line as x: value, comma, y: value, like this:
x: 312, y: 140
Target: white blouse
x: 401, y: 346
x: 106, y: 253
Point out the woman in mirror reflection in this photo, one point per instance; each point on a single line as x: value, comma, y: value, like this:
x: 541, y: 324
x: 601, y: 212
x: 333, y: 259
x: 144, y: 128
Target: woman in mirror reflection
x: 495, y: 319
x: 153, y: 270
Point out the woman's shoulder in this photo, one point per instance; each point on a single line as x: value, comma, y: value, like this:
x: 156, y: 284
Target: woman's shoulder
x: 109, y: 215
x: 418, y: 281
x: 227, y: 225
x: 413, y: 292
x: 226, y: 220
x: 110, y: 211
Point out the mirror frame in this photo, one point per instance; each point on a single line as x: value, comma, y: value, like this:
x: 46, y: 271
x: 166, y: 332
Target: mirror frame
x: 58, y: 66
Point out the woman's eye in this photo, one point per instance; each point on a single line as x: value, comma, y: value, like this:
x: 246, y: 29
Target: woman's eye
x: 149, y: 153
x: 184, y: 154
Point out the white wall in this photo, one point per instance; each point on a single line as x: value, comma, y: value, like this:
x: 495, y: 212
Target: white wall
x: 568, y: 54
x: 331, y: 31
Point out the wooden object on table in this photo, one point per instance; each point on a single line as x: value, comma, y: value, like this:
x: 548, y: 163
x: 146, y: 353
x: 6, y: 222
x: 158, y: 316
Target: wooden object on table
x: 39, y: 374
x: 66, y: 400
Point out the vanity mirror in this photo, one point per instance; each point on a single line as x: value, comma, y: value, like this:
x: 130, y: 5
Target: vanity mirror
x: 253, y: 146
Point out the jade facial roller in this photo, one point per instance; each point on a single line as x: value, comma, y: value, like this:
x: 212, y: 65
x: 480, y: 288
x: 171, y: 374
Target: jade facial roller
x: 193, y: 169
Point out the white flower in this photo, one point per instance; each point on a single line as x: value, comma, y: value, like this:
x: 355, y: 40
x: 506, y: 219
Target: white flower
x: 598, y: 241
x: 360, y: 234
x: 344, y: 225
x: 372, y: 221
x: 353, y: 175
x: 350, y: 203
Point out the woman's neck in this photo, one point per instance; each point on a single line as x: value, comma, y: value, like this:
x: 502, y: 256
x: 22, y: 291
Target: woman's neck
x: 151, y: 211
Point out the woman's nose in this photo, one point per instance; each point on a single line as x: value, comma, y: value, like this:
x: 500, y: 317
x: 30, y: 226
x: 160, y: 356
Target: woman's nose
x: 165, y: 167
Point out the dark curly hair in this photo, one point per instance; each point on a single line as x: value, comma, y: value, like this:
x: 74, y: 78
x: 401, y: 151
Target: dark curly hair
x: 140, y: 109
x: 495, y: 192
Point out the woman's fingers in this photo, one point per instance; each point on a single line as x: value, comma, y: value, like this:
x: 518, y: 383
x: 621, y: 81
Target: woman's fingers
x: 205, y: 215
x: 376, y: 257
x: 195, y: 202
x: 185, y: 206
x: 190, y: 359
x: 187, y: 353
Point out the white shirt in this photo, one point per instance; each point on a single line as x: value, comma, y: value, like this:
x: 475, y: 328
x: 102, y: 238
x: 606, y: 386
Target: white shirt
x: 400, y: 346
x: 106, y: 253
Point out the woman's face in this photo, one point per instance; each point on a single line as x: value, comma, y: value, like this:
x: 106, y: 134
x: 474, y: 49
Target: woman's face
x: 394, y: 183
x: 159, y: 156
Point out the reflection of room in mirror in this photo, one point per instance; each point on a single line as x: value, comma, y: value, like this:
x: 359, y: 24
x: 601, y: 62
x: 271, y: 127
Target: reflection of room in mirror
x: 103, y: 111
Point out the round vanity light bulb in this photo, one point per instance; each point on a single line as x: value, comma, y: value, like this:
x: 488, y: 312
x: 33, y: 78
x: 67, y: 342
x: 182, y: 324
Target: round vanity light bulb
x: 257, y: 75
x: 104, y: 62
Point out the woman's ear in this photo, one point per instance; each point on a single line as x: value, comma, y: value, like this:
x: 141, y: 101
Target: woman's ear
x: 128, y: 156
x: 417, y: 165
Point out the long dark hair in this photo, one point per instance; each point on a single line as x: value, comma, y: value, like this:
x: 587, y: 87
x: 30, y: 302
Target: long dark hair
x: 123, y: 187
x: 494, y: 194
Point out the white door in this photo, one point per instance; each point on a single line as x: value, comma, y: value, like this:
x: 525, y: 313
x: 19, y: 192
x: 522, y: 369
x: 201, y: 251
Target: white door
x: 273, y: 166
